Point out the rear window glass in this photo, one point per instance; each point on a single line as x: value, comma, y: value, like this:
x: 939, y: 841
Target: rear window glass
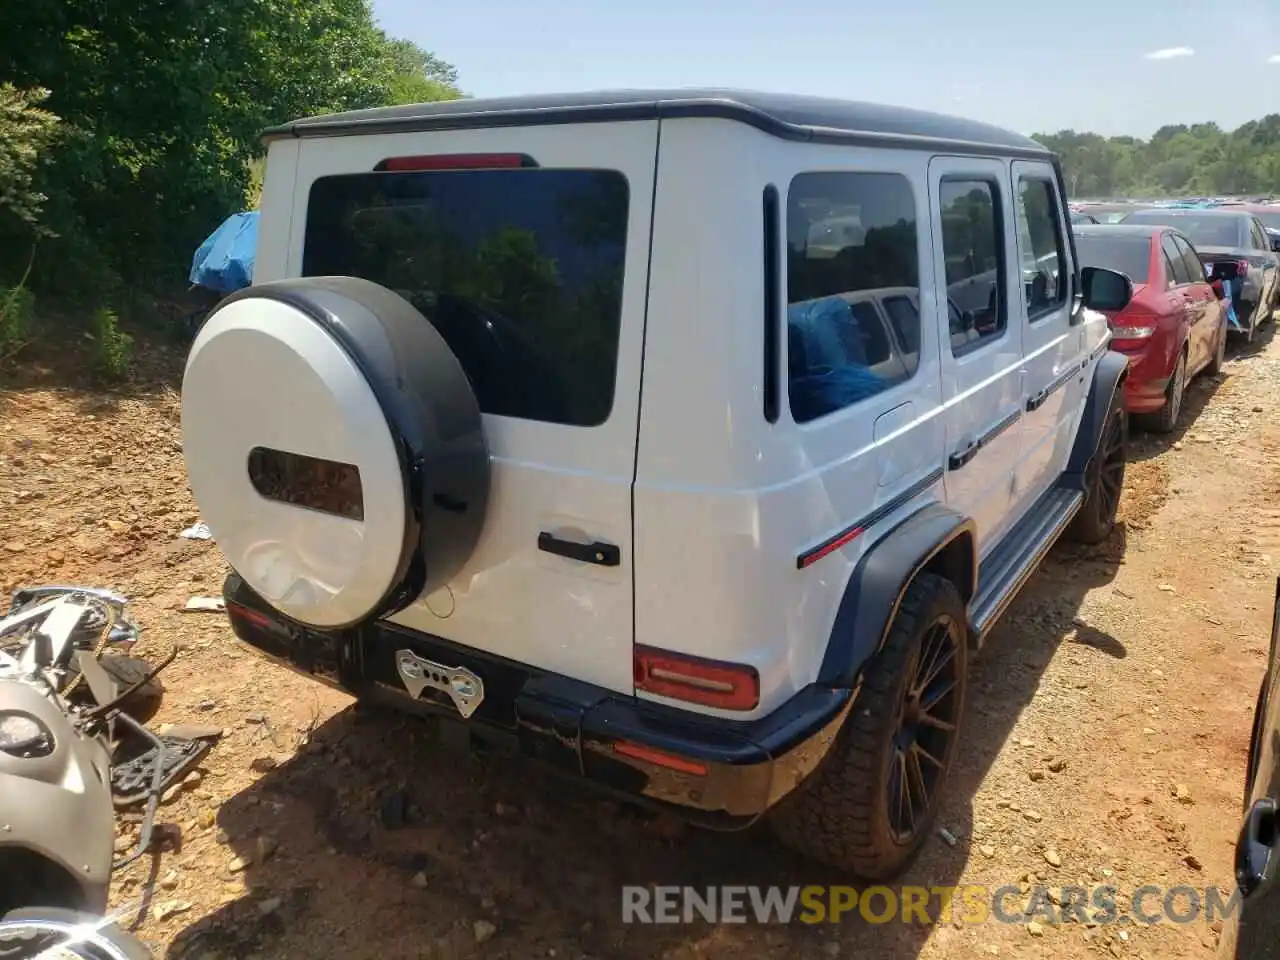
x: 521, y: 271
x: 1204, y: 231
x: 1269, y: 220
x: 1130, y: 255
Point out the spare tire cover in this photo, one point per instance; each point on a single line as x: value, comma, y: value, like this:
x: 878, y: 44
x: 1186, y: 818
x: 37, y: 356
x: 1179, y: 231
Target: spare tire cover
x: 334, y: 447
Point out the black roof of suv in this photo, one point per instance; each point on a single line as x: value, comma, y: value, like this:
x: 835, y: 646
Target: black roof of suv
x: 791, y: 116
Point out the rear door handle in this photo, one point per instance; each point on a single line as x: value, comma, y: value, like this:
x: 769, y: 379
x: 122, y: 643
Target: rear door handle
x: 1254, y: 845
x: 601, y: 554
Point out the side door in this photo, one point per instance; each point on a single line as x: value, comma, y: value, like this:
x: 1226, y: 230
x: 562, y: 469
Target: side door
x: 1254, y: 931
x: 1182, y: 279
x: 981, y: 351
x: 1200, y: 307
x: 1051, y: 339
x: 1270, y: 262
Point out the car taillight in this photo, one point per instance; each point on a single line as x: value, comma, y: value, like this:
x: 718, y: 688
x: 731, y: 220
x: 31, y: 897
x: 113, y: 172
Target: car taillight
x: 1132, y: 325
x: 728, y: 686
x: 1132, y: 332
x: 456, y: 161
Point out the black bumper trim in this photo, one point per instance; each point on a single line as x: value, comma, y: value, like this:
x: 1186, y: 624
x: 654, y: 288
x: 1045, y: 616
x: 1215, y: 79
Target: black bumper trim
x: 570, y: 725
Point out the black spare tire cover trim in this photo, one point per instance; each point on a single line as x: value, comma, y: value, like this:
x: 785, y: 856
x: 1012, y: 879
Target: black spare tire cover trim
x: 430, y: 408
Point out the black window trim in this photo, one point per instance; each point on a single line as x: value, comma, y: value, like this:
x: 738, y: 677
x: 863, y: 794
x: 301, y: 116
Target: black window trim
x: 1172, y: 236
x: 1064, y: 300
x: 1197, y: 272
x: 1173, y: 273
x: 1002, y: 267
x: 885, y: 320
x: 773, y: 314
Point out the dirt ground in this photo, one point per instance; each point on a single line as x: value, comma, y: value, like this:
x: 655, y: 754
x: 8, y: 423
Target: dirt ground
x: 1106, y: 736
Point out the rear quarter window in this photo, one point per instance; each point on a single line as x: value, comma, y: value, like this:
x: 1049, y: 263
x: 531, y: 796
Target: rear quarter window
x: 521, y: 271
x: 851, y: 243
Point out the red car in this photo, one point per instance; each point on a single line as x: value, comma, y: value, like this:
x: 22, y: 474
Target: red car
x: 1176, y: 324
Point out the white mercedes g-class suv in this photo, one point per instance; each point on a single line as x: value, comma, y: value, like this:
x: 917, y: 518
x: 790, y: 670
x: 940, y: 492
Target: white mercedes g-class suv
x: 687, y: 441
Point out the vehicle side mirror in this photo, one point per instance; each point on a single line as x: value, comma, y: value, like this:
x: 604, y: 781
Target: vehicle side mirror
x: 1275, y: 242
x: 1105, y: 289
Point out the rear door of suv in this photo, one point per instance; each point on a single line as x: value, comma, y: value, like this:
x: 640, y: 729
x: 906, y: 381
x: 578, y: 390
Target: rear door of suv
x: 528, y: 248
x: 981, y: 349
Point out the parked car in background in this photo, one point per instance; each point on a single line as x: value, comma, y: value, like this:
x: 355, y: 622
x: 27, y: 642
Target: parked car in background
x: 1109, y: 212
x: 1268, y: 213
x: 1235, y: 248
x: 1174, y: 327
x: 1079, y: 217
x: 1253, y: 932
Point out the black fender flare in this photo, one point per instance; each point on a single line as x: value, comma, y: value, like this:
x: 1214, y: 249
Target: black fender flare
x: 1108, y: 375
x: 932, y: 537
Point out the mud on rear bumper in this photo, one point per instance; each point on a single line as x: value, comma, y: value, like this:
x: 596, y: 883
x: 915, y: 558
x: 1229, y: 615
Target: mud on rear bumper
x: 720, y: 774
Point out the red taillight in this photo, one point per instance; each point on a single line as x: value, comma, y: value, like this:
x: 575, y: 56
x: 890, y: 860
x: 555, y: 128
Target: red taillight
x: 668, y: 760
x: 728, y: 686
x: 252, y: 617
x: 1128, y: 325
x: 456, y: 161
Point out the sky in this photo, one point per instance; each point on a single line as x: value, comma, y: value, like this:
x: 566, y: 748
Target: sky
x: 1111, y: 66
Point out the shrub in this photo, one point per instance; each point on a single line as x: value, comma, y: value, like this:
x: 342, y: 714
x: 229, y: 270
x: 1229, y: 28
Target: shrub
x: 112, y: 347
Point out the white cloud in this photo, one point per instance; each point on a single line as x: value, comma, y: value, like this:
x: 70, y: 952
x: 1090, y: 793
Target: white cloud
x: 1274, y: 58
x: 1169, y: 53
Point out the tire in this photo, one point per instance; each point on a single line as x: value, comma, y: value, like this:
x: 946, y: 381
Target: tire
x: 1220, y: 355
x: 126, y: 671
x: 32, y: 931
x: 1165, y: 420
x: 1105, y: 481
x: 850, y: 814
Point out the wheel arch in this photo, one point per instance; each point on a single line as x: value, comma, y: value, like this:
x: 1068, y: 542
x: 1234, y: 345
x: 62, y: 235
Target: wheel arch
x: 934, y: 539
x: 1109, y: 375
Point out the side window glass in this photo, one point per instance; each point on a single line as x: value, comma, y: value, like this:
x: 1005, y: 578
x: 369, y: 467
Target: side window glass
x: 1171, y: 251
x: 1044, y: 260
x: 851, y: 244
x: 1171, y: 275
x: 1195, y: 269
x: 1259, y: 237
x: 973, y: 254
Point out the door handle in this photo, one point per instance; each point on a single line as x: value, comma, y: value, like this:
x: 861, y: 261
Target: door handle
x: 1036, y: 400
x: 1254, y: 845
x: 963, y: 455
x: 601, y: 554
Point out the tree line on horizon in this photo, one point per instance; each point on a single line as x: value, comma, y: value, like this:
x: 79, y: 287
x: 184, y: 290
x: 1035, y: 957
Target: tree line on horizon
x: 1178, y: 160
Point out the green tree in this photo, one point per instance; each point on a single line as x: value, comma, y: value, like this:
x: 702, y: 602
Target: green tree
x: 162, y: 105
x: 1178, y: 160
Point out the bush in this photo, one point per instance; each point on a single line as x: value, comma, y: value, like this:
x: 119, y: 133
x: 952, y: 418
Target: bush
x: 17, y: 317
x: 112, y: 347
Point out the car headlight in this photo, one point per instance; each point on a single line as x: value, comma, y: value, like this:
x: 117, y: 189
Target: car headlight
x: 22, y: 735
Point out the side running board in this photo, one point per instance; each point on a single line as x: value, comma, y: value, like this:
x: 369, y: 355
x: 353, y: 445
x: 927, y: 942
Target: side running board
x: 1011, y: 564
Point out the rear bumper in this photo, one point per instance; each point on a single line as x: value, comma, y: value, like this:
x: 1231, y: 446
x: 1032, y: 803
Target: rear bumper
x: 719, y: 773
x: 1148, y: 379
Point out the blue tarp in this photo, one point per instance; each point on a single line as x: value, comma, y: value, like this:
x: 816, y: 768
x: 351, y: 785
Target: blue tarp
x: 224, y: 262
